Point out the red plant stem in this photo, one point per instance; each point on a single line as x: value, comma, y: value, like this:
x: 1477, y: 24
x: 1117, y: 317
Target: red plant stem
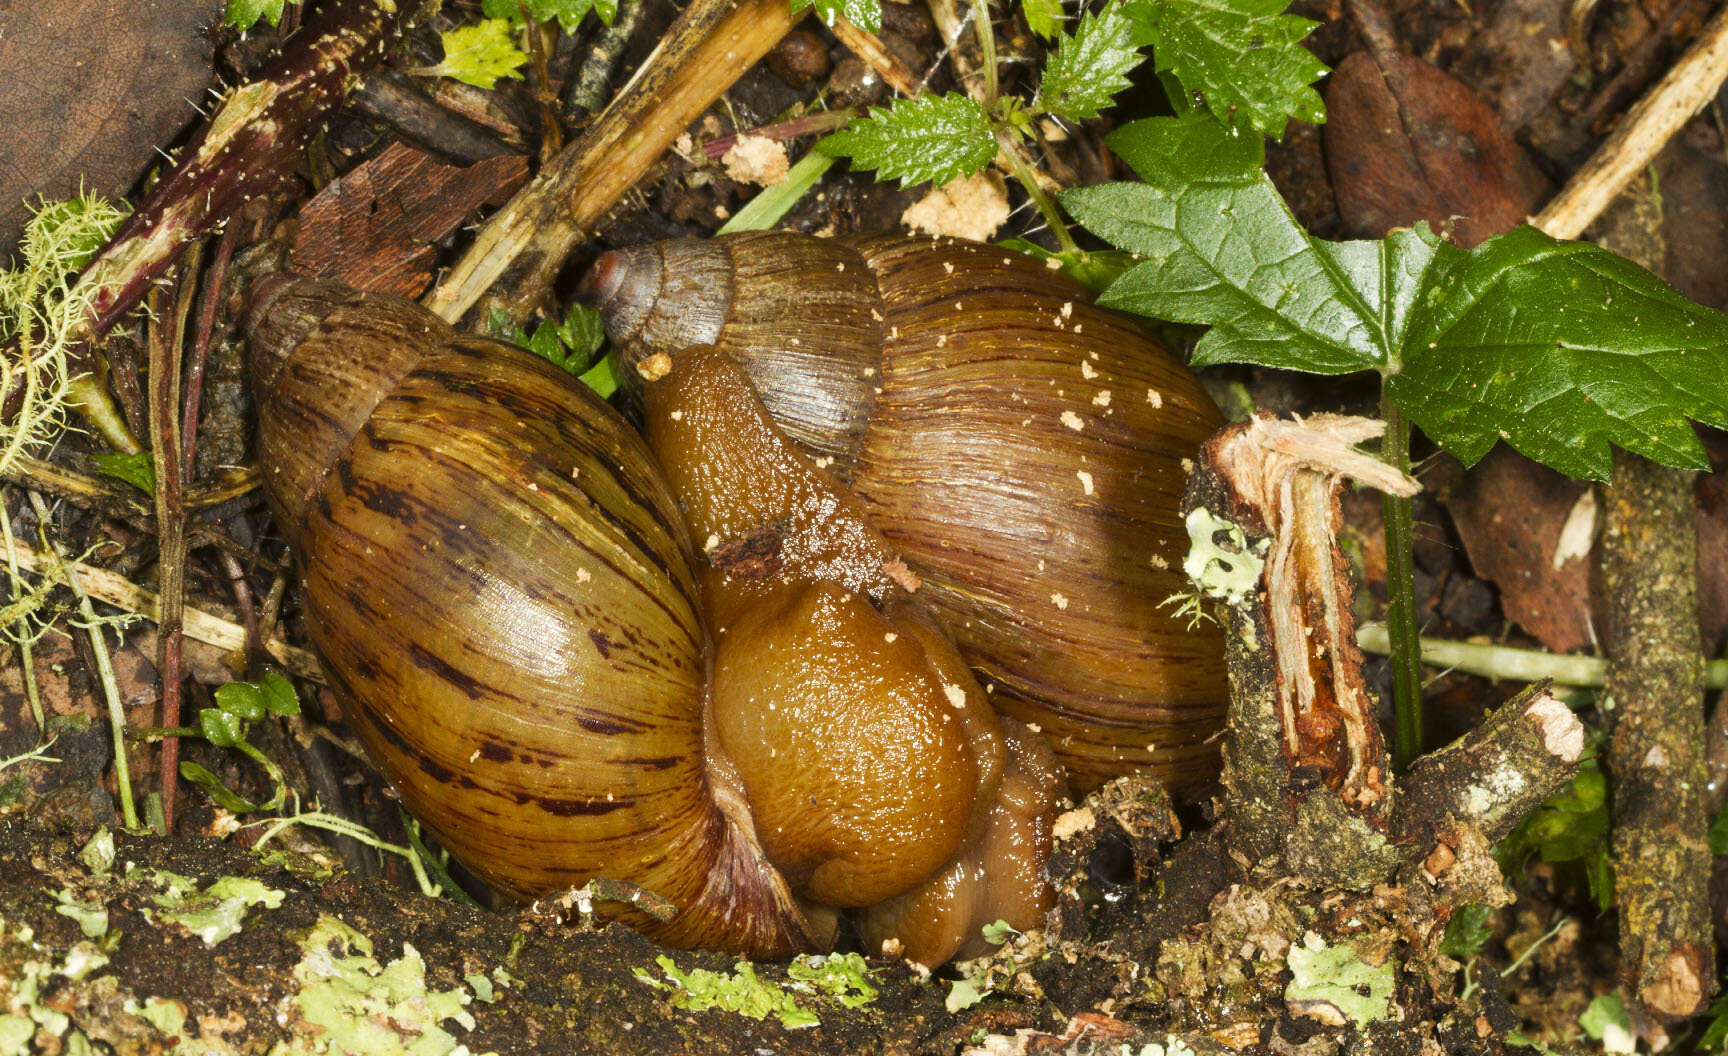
x: 808, y: 125
x: 249, y: 147
x: 215, y: 278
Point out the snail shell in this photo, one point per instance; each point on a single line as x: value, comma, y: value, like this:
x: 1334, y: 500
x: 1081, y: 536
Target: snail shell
x: 1023, y: 449
x: 498, y: 579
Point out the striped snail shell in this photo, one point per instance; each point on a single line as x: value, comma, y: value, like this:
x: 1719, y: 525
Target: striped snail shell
x: 1024, y: 450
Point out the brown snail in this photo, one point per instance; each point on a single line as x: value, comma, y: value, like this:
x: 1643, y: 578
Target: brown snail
x: 1024, y: 450
x: 501, y: 585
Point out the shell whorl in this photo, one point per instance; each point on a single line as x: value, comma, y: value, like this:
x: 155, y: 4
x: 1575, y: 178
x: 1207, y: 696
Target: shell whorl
x: 1021, y: 448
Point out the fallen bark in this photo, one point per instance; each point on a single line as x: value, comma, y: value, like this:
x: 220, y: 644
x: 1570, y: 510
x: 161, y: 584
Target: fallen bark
x: 1654, y: 696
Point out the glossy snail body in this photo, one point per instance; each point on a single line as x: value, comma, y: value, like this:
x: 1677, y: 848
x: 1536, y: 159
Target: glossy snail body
x: 1024, y: 450
x: 500, y: 581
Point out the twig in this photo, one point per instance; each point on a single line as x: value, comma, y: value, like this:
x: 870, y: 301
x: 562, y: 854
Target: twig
x: 1692, y: 83
x: 551, y: 132
x: 1661, y: 858
x: 587, y: 90
x: 110, y: 589
x: 887, y: 65
x: 391, y: 98
x: 1305, y: 769
x: 1373, y: 23
x: 214, y: 280
x: 166, y: 342
x: 705, y: 51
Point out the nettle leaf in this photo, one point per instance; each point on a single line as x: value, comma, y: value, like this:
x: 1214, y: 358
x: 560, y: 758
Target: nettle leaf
x: 480, y: 54
x: 568, y: 13
x: 1558, y: 348
x: 1222, y: 250
x: 1561, y: 348
x: 1243, y: 56
x: 932, y: 137
x: 1044, y: 17
x: 1088, y: 68
x: 865, y: 14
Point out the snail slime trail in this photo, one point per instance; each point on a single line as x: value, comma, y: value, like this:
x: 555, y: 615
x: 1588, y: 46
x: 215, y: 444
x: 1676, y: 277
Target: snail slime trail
x: 500, y: 583
x: 1024, y: 451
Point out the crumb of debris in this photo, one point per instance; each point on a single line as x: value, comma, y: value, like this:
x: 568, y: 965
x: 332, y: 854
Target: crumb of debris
x: 970, y: 207
x: 756, y: 159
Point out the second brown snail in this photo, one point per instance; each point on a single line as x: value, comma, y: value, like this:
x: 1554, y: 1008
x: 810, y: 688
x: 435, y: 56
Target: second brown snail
x: 713, y: 659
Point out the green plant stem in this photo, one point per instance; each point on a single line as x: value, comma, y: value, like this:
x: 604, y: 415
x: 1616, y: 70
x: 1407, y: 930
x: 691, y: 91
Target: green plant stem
x: 1400, y: 519
x: 1510, y: 663
x: 1022, y: 170
x: 105, y: 673
x: 987, y: 45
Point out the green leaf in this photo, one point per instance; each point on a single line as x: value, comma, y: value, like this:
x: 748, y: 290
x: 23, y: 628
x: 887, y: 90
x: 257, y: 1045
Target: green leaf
x: 243, y: 700
x: 1244, y: 57
x: 221, y: 728
x: 480, y: 54
x: 865, y: 14
x: 136, y: 469
x: 1468, y: 930
x: 568, y: 13
x: 1607, y: 1021
x: 244, y: 14
x: 932, y: 137
x: 279, y: 696
x: 217, y: 791
x: 1717, y: 1031
x: 1222, y: 249
x: 1087, y: 69
x: 1557, y: 348
x: 1561, y: 348
x: 1044, y: 17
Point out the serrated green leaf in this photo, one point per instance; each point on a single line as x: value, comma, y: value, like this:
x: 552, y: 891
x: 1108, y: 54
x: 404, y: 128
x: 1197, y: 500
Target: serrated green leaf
x: 865, y: 14
x: 1044, y: 17
x: 137, y: 469
x: 1221, y: 249
x: 1561, y: 348
x: 568, y: 13
x: 244, y: 14
x: 1558, y: 348
x: 932, y: 137
x: 1088, y: 68
x: 480, y: 54
x: 1244, y: 57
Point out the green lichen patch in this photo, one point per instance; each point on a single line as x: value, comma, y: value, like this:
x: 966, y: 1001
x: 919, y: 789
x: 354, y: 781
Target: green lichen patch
x: 212, y: 914
x: 841, y: 978
x: 25, y: 1015
x: 356, y: 1006
x: 1336, y: 985
x: 1228, y: 571
x: 92, y: 917
x: 741, y: 991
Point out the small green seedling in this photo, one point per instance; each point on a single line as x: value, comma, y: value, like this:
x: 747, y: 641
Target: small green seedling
x: 572, y: 345
x: 238, y: 705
